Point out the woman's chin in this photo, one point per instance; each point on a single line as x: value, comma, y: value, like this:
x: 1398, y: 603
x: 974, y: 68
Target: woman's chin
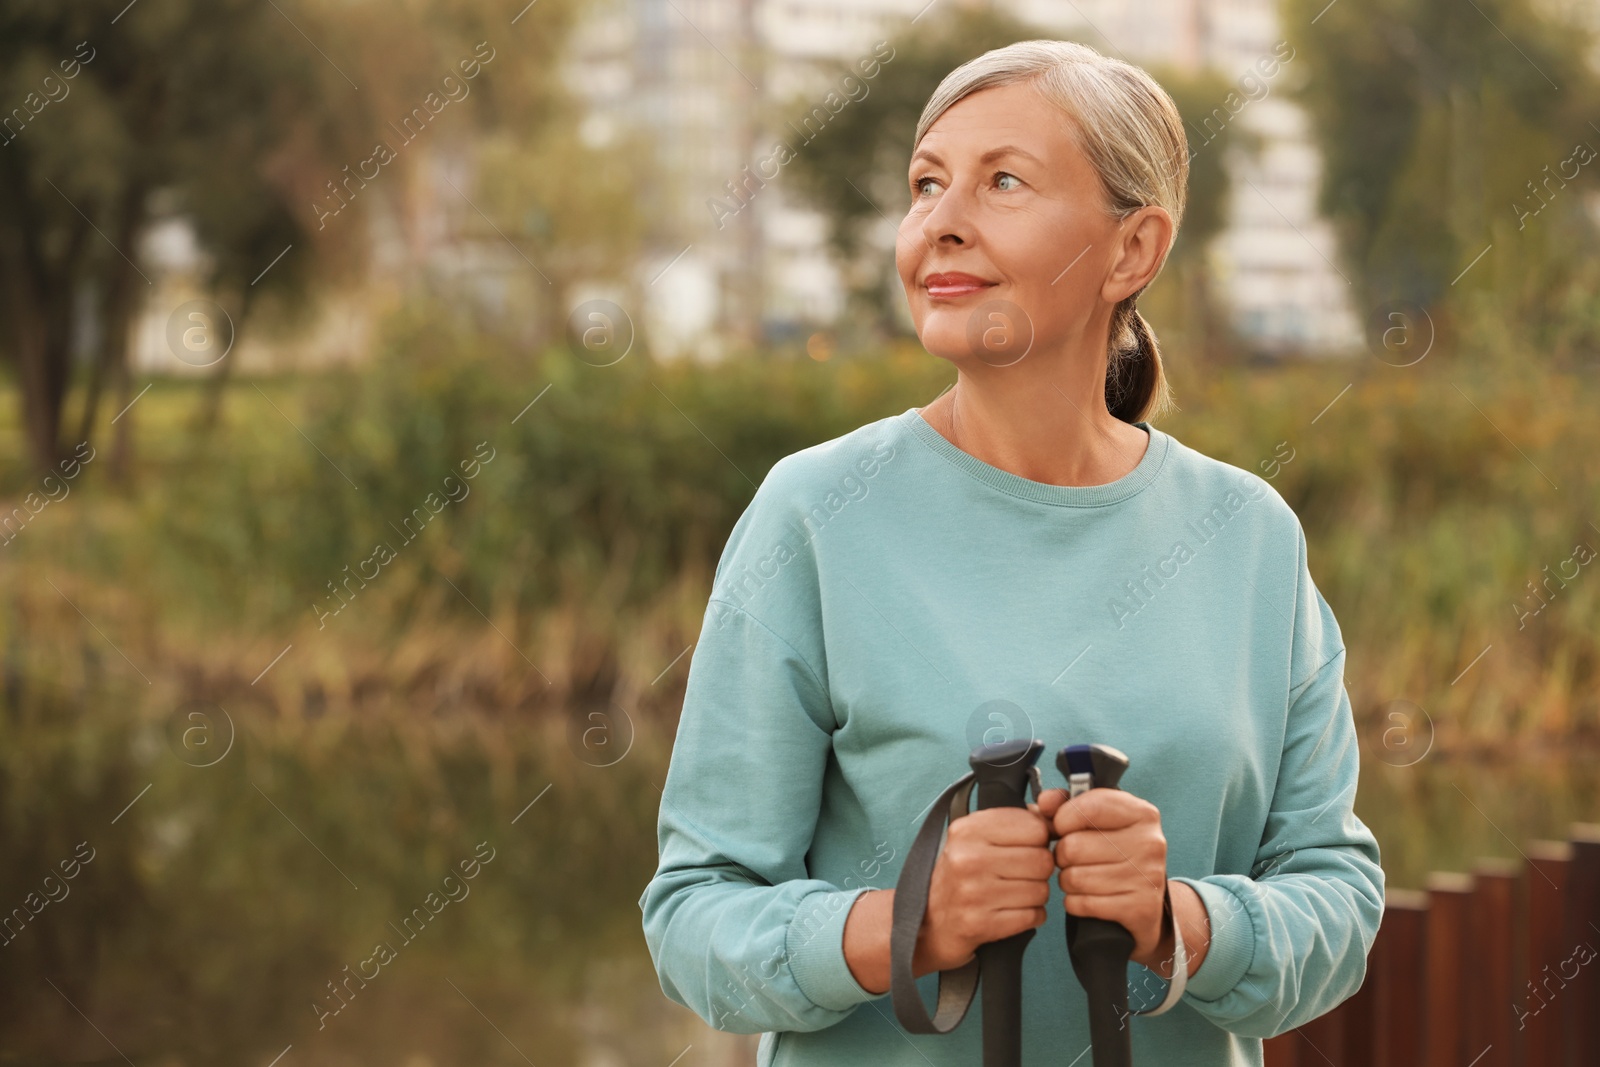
x: 960, y: 355
x: 959, y: 350
x: 980, y: 332
x: 942, y: 335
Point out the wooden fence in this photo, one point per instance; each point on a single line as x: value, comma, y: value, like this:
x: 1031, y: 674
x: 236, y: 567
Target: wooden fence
x: 1497, y: 968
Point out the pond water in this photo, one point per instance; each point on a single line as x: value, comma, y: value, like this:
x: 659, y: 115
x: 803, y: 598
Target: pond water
x: 425, y: 892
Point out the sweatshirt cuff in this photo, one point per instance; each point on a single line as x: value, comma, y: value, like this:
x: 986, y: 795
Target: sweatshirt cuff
x: 815, y: 946
x: 1233, y: 942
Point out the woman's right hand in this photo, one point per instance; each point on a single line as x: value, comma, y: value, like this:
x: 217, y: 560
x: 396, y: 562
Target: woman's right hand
x: 991, y: 880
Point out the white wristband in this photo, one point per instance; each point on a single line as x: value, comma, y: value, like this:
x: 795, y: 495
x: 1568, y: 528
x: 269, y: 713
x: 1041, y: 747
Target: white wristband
x: 1180, y: 964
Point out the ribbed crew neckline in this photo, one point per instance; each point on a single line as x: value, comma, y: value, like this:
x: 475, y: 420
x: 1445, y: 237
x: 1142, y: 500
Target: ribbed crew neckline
x: 1080, y: 496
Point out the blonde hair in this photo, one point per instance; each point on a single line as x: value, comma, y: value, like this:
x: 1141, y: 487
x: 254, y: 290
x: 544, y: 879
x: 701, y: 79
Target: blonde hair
x: 1130, y: 131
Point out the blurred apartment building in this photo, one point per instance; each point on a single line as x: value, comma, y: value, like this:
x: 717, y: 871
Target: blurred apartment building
x: 698, y: 74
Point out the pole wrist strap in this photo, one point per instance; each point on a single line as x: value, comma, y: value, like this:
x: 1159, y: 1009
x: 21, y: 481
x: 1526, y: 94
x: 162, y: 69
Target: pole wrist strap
x: 957, y: 987
x: 1180, y: 962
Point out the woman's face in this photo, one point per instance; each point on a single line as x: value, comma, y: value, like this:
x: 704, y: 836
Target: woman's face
x: 1007, y: 247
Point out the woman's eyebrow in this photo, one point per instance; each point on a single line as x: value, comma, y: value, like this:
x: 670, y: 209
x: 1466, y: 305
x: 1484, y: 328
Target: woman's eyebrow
x: 988, y: 157
x: 1008, y: 150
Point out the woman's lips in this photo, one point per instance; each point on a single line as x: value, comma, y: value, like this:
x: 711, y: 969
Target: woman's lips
x: 950, y: 285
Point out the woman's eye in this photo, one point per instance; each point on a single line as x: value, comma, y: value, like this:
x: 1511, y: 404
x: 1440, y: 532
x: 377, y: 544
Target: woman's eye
x: 922, y: 186
x: 1008, y: 177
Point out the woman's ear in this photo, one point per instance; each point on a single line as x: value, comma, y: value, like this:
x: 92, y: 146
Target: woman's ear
x: 1142, y: 242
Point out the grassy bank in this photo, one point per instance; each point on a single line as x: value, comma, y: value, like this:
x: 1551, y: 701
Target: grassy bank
x: 570, y: 569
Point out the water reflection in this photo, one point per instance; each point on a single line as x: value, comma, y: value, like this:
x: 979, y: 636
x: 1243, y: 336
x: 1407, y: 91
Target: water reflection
x: 394, y: 889
x: 1442, y: 814
x: 389, y: 890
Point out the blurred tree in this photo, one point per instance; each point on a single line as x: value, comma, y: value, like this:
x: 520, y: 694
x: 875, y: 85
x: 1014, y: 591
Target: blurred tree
x: 251, y: 122
x: 1207, y: 102
x: 1447, y: 129
x: 581, y: 220
x: 854, y: 171
x: 208, y: 102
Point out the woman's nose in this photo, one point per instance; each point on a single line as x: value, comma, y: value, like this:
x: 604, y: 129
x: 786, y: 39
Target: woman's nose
x: 951, y: 218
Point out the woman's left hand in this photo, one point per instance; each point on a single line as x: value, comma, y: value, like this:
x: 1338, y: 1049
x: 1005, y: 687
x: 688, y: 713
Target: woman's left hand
x: 1112, y: 857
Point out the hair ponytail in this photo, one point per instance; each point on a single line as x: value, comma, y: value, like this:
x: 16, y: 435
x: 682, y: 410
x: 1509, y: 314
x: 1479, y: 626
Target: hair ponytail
x: 1136, y: 384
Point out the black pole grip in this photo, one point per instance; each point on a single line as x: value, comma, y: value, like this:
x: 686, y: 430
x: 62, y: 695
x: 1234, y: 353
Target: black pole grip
x: 1002, y: 772
x: 1099, y: 948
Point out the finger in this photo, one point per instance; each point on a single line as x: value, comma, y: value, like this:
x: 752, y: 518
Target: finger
x: 975, y: 903
x: 1103, y: 809
x: 1003, y: 826
x: 1019, y: 863
x: 1116, y: 907
x: 1105, y: 879
x: 1005, y: 894
x: 1131, y: 845
x: 1050, y: 801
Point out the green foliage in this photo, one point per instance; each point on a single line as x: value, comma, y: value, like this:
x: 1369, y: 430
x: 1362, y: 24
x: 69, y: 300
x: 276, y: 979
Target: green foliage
x: 636, y: 468
x: 244, y: 119
x: 181, y: 106
x: 1440, y: 126
x: 201, y: 100
x: 590, y: 536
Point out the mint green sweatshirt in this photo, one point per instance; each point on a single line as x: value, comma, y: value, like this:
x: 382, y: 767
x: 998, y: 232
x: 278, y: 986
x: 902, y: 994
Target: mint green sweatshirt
x: 888, y: 602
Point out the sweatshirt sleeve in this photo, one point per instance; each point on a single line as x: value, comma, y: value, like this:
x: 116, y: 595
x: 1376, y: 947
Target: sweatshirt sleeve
x: 1289, y: 941
x: 737, y: 930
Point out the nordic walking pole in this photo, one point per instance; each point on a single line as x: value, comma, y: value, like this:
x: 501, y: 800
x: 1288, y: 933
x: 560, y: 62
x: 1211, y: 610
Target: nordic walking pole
x: 1003, y: 772
x: 1099, y: 948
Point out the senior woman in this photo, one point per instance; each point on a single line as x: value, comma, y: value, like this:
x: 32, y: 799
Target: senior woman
x: 1025, y: 556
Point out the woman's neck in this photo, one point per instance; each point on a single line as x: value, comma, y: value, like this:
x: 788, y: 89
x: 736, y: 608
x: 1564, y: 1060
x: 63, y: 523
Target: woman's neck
x: 1043, y: 424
